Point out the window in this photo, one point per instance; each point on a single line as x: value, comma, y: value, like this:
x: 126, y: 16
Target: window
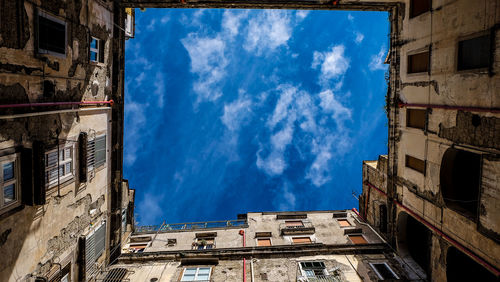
x: 59, y: 165
x: 313, y: 269
x: 96, y: 153
x: 294, y: 224
x: 418, y: 62
x: 415, y: 118
x: 205, y: 243
x: 301, y: 240
x: 51, y: 35
x: 474, y: 53
x: 415, y: 164
x: 171, y: 242
x: 196, y: 274
x: 358, y: 239
x: 343, y: 223
x: 383, y: 271
x: 9, y: 181
x: 138, y: 248
x: 94, y: 247
x: 96, y: 50
x: 264, y: 242
x: 383, y: 218
x: 418, y: 7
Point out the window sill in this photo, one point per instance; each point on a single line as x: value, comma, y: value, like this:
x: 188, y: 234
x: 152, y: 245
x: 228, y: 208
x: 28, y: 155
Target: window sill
x: 11, y: 211
x: 53, y: 188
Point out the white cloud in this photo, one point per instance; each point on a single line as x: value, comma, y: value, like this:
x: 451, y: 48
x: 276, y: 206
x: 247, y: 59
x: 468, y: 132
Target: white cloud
x: 333, y: 64
x: 237, y: 113
x: 135, y: 119
x: 286, y: 200
x: 301, y: 14
x: 231, y: 21
x: 151, y: 25
x: 350, y: 17
x: 318, y: 171
x: 165, y: 19
x: 330, y: 105
x: 377, y: 61
x: 268, y: 30
x: 359, y: 37
x: 140, y: 78
x: 159, y: 91
x: 209, y: 62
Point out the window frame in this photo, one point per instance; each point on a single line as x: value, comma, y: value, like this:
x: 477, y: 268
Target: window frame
x: 91, y: 154
x: 491, y: 53
x: 263, y: 238
x: 415, y: 53
x: 388, y: 267
x: 204, y: 247
x: 408, y: 125
x: 46, y: 15
x: 357, y: 234
x: 407, y: 157
x: 343, y: 219
x: 66, y: 177
x: 299, y: 237
x: 16, y: 159
x: 99, y: 50
x: 196, y: 273
x: 303, y: 270
x: 294, y: 226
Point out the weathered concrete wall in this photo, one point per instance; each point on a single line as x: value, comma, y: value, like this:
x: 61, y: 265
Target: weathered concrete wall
x: 35, y: 238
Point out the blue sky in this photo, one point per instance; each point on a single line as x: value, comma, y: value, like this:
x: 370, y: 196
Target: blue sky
x: 231, y: 111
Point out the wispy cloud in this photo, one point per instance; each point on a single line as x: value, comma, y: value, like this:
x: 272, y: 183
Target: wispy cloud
x: 135, y: 119
x: 237, y: 112
x: 231, y: 21
x: 377, y: 61
x: 208, y: 62
x: 333, y: 64
x: 359, y: 37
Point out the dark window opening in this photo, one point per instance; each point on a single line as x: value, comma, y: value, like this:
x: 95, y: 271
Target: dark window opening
x: 383, y: 218
x: 384, y: 271
x: 460, y: 267
x: 415, y: 164
x: 459, y: 181
x: 51, y: 36
x: 418, y: 62
x: 474, y: 53
x: 418, y: 7
x: 415, y: 118
x: 414, y: 241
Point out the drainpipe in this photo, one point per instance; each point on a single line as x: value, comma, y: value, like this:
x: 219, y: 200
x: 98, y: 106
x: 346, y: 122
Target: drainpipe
x: 242, y: 233
x: 54, y: 112
x: 452, y: 241
x: 251, y: 270
x: 447, y: 107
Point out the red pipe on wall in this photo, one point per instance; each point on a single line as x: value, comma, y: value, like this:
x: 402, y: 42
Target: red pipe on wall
x: 25, y: 105
x: 447, y: 107
x: 442, y: 234
x: 242, y: 233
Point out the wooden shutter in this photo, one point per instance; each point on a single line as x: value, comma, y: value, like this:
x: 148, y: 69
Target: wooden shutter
x: 416, y: 118
x: 100, y: 150
x: 418, y: 62
x: 38, y: 173
x: 82, y: 156
x: 27, y: 176
x: 295, y: 223
x: 344, y: 223
x: 264, y: 242
x: 415, y: 164
x: 418, y: 7
x: 358, y: 239
x: 301, y: 240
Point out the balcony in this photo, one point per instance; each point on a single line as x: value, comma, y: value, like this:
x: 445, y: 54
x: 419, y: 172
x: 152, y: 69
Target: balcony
x: 302, y: 229
x: 190, y: 226
x: 320, y: 278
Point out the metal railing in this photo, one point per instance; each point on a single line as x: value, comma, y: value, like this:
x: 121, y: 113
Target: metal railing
x: 190, y: 226
x: 320, y: 278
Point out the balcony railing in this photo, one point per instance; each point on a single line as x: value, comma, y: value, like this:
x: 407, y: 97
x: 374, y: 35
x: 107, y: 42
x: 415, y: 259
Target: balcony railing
x: 320, y: 278
x: 191, y: 226
x: 305, y: 228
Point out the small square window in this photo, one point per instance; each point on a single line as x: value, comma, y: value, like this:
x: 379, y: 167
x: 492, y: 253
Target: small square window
x: 264, y: 242
x: 9, y: 182
x: 474, y: 53
x: 358, y: 239
x: 59, y: 169
x: 415, y: 164
x: 294, y: 223
x: 343, y: 222
x: 204, y: 243
x: 418, y: 7
x: 418, y: 62
x: 51, y: 35
x: 416, y: 118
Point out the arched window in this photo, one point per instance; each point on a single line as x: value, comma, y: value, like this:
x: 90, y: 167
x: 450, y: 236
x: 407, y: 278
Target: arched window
x: 459, y: 181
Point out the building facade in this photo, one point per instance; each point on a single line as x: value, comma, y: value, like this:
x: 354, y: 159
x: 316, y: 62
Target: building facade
x: 62, y: 193
x: 435, y: 196
x: 260, y: 246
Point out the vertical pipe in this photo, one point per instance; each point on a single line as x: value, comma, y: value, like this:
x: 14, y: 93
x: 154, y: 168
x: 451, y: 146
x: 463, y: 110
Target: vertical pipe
x: 242, y: 233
